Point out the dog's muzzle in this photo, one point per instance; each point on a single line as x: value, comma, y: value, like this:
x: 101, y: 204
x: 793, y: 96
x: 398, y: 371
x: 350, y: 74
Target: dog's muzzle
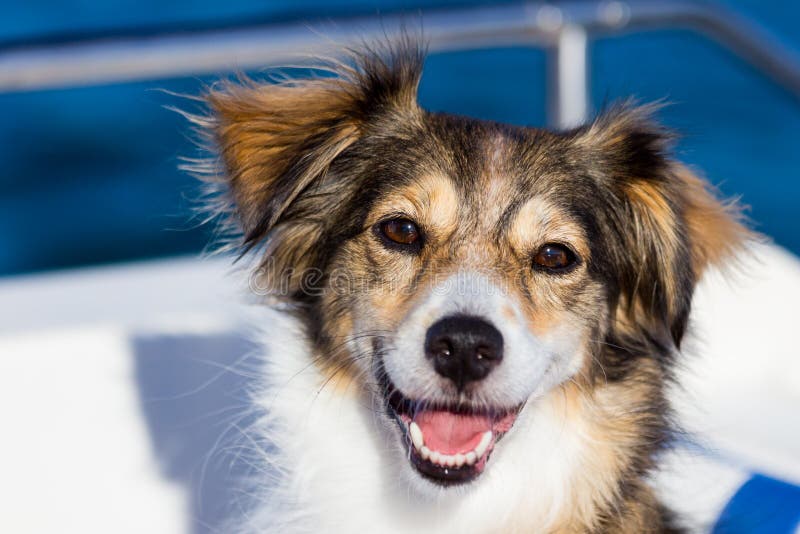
x: 450, y: 443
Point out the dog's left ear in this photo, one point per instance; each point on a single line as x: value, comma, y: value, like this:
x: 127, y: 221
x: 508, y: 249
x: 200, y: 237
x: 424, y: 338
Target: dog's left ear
x: 669, y: 224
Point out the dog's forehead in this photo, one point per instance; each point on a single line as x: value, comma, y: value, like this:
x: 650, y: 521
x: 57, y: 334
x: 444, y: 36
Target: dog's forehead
x: 486, y: 172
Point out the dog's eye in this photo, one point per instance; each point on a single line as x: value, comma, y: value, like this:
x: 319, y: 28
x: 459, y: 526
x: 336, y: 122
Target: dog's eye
x: 400, y: 231
x: 554, y: 257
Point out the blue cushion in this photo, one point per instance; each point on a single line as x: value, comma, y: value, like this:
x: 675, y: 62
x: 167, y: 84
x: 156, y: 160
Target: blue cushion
x: 762, y: 505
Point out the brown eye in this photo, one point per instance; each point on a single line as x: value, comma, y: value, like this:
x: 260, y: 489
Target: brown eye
x: 400, y: 231
x: 554, y: 257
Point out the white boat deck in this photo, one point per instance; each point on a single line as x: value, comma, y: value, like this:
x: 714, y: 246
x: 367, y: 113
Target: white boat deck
x: 120, y: 387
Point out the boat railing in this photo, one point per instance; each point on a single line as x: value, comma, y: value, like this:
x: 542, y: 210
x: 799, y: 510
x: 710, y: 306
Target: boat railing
x: 565, y: 29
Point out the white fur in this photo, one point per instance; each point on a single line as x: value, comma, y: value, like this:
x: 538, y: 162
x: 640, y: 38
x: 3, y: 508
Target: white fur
x: 337, y: 463
x: 531, y: 365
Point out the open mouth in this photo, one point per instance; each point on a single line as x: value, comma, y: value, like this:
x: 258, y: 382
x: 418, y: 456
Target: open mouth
x: 449, y: 444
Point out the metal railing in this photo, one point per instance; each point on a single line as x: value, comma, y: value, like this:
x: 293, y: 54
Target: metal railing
x: 565, y: 29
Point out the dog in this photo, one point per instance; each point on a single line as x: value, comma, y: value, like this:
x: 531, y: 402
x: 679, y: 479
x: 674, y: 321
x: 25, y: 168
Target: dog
x: 469, y: 326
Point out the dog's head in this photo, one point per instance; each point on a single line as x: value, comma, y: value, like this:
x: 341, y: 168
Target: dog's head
x: 458, y: 269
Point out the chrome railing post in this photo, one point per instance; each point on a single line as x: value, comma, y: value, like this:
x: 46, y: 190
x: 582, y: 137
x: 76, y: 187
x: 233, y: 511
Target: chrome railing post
x: 568, y: 90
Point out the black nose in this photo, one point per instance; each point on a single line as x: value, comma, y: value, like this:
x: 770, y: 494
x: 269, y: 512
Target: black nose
x: 463, y: 349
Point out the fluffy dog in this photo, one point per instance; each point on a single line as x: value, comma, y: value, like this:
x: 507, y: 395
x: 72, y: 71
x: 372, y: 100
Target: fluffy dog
x: 477, y: 321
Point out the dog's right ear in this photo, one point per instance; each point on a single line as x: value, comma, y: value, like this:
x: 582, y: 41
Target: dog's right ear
x: 277, y: 143
x: 277, y: 140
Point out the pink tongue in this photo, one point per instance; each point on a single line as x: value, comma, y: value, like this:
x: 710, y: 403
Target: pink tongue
x: 451, y: 433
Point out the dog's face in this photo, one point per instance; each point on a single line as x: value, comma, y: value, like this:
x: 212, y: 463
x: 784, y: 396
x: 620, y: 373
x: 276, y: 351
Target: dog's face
x: 468, y: 281
x: 457, y: 270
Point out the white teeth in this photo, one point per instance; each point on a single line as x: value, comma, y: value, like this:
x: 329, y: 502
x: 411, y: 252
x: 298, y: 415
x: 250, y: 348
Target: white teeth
x: 416, y: 435
x: 425, y: 452
x: 448, y: 460
x: 484, y: 444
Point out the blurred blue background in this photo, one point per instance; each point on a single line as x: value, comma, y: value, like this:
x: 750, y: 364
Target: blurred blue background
x: 90, y: 175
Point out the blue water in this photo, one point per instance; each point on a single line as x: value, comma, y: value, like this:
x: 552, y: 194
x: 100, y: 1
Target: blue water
x: 89, y: 175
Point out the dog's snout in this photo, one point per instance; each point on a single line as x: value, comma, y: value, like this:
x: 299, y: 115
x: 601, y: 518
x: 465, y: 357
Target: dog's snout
x: 463, y: 348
